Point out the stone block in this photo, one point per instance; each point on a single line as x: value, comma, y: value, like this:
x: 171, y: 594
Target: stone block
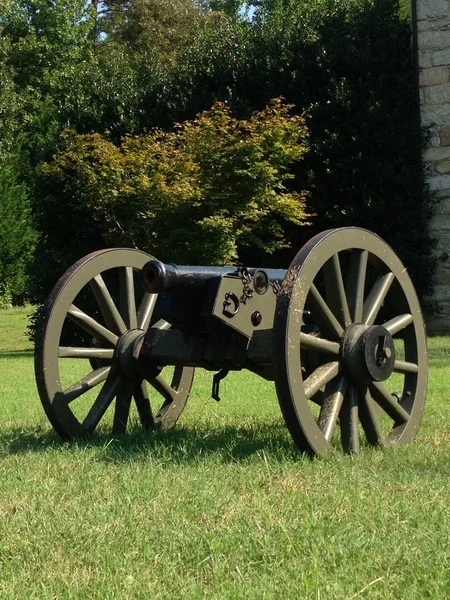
x: 444, y: 136
x: 443, y: 193
x: 445, y: 208
x: 439, y: 182
x: 432, y: 9
x: 436, y: 154
x: 436, y: 115
x: 435, y: 23
x: 442, y: 167
x: 441, y: 57
x: 437, y: 94
x: 434, y: 39
x: 425, y: 58
x: 434, y: 76
x: 439, y: 223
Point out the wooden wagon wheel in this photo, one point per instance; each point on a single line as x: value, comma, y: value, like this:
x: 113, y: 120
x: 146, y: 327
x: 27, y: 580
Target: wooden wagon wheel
x: 372, y: 378
x: 86, y: 372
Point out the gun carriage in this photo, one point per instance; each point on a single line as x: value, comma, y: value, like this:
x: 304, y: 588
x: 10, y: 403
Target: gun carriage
x: 340, y: 332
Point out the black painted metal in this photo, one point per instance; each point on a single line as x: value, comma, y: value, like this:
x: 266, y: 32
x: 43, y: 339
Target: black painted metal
x: 160, y: 277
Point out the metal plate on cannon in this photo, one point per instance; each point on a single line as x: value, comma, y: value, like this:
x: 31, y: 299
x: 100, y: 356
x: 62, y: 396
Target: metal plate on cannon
x: 239, y: 306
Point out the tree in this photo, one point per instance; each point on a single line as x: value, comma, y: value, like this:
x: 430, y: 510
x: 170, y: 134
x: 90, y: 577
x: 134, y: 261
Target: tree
x: 10, y: 103
x: 46, y: 42
x: 148, y: 27
x: 17, y: 236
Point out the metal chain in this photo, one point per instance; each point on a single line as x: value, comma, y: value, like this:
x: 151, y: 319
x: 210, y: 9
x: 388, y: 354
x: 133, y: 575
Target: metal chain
x: 276, y: 286
x: 247, y: 292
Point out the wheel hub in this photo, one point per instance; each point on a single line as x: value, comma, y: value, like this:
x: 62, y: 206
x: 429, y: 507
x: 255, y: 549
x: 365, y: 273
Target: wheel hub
x: 127, y: 352
x: 128, y: 359
x: 368, y: 353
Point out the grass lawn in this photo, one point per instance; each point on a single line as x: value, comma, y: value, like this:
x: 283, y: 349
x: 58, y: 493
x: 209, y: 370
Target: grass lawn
x: 222, y: 506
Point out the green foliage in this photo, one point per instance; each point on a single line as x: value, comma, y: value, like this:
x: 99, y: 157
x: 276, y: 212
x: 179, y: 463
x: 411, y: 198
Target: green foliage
x: 143, y: 64
x: 348, y: 65
x: 46, y: 36
x: 10, y: 102
x: 405, y: 9
x: 5, y: 297
x: 159, y: 27
x: 197, y: 194
x: 46, y: 42
x: 17, y: 237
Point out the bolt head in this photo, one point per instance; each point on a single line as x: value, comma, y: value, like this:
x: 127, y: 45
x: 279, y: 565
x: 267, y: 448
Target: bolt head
x: 256, y: 318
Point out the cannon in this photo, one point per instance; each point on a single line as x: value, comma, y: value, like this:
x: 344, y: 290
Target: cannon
x: 340, y: 332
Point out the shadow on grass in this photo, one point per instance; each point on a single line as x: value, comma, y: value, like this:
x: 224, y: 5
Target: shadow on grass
x: 19, y: 440
x: 192, y: 446
x: 177, y: 446
x: 17, y: 354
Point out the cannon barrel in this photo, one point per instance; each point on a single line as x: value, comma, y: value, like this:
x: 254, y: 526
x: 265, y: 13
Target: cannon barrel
x: 160, y: 277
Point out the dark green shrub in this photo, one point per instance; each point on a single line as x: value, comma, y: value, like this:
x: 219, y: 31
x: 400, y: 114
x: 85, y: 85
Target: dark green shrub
x: 17, y: 237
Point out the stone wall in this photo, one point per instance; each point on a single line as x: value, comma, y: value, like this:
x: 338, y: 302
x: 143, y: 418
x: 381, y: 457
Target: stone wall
x: 433, y: 41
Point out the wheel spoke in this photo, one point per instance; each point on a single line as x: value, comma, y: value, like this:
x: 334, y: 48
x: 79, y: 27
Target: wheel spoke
x: 85, y: 384
x: 376, y: 298
x: 335, y: 292
x: 369, y: 420
x: 91, y: 326
x: 388, y: 403
x: 356, y: 283
x: 78, y: 352
x: 320, y: 377
x: 122, y: 408
x: 161, y: 386
x: 400, y: 366
x: 162, y: 324
x: 349, y: 422
x: 332, y: 402
x: 322, y: 315
x: 108, y: 309
x: 143, y: 405
x: 107, y: 394
x: 177, y: 379
x: 145, y: 310
x: 398, y: 323
x: 127, y: 297
x: 311, y: 342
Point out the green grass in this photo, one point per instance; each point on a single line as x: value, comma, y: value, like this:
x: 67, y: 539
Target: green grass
x: 220, y: 507
x: 13, y: 329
